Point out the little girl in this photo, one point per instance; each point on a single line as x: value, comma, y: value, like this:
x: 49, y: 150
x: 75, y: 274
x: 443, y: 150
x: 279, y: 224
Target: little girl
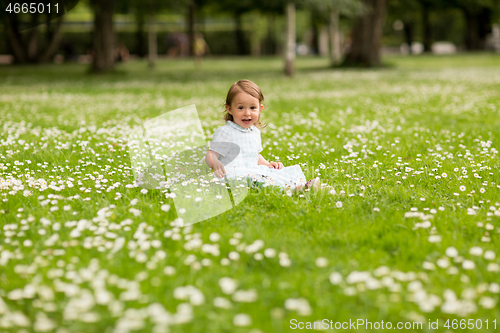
x: 238, y: 143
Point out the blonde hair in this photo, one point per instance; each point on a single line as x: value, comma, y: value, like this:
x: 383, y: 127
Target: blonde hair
x: 248, y: 87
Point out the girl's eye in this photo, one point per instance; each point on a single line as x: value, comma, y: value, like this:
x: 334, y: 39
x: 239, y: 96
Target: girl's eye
x: 241, y: 108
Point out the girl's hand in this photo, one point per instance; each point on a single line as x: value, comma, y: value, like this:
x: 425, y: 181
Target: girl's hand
x: 215, y: 164
x: 275, y: 165
x: 219, y: 170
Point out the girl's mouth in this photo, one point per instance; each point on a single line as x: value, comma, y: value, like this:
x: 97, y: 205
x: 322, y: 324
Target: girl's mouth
x: 246, y: 121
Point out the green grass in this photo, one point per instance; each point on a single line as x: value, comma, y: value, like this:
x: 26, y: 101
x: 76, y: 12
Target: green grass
x: 359, y: 130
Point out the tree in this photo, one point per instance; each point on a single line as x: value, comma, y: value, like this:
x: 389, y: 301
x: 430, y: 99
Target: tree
x: 271, y: 10
x: 316, y: 18
x: 29, y: 47
x: 329, y: 12
x: 335, y: 46
x: 145, y: 12
x: 426, y: 24
x: 152, y: 41
x: 408, y: 11
x: 287, y: 7
x: 237, y: 8
x: 366, y: 35
x: 290, y: 39
x: 193, y: 7
x: 104, y: 36
x: 478, y: 16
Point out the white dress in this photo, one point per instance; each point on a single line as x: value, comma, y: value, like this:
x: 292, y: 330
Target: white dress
x: 239, y: 148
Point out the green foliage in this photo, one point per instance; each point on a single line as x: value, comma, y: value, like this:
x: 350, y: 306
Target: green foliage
x: 344, y: 7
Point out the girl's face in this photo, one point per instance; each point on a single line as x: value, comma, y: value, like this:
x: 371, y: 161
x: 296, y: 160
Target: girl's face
x: 245, y: 109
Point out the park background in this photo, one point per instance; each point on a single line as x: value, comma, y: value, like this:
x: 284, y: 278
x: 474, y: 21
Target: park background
x: 409, y: 143
x: 257, y: 28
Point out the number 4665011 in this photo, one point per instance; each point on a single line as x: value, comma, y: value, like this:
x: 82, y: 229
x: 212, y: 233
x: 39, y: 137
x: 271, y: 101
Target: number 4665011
x: 470, y: 324
x: 32, y: 8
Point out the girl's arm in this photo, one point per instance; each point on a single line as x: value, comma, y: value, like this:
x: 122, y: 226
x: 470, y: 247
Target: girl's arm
x: 273, y: 165
x: 212, y: 159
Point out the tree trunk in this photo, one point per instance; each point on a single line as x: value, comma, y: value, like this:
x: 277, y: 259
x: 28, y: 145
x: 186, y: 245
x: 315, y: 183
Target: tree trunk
x: 241, y: 45
x: 471, y: 35
x: 270, y: 41
x: 485, y: 26
x: 16, y: 42
x: 104, y: 39
x: 152, y: 42
x: 495, y: 35
x: 190, y: 28
x: 28, y: 50
x: 426, y: 26
x: 315, y: 33
x: 32, y: 45
x: 290, y: 39
x: 256, y: 45
x: 477, y: 28
x: 54, y: 41
x: 408, y: 29
x: 366, y: 36
x: 139, y: 36
x: 335, y: 47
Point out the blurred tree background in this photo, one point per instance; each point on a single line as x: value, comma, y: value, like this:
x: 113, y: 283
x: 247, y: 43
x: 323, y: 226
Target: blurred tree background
x: 350, y: 32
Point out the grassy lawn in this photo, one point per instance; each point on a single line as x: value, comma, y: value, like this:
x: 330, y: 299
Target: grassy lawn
x: 409, y: 234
